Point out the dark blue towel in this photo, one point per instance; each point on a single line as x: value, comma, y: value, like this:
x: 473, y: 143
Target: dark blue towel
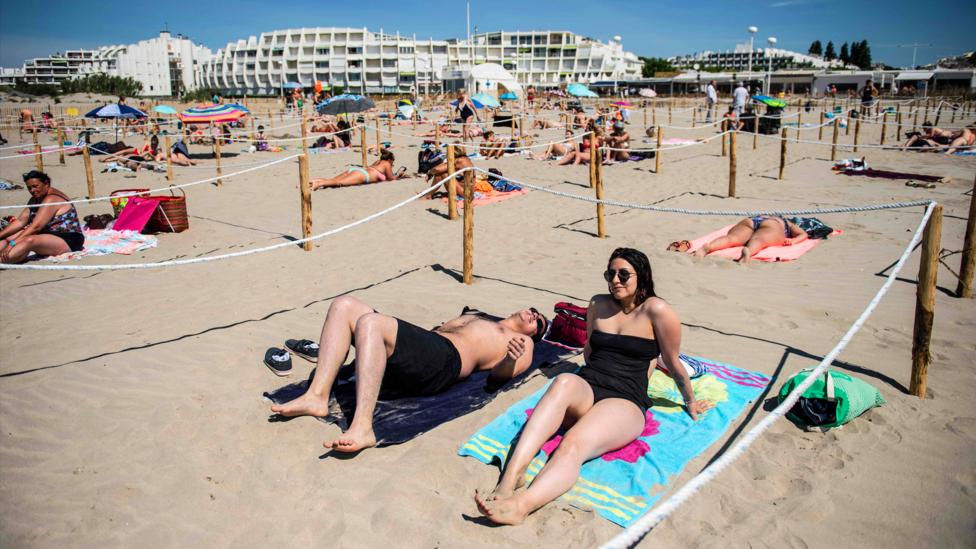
x: 399, y: 419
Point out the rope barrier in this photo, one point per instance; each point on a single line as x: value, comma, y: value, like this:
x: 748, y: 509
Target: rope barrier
x: 639, y: 529
x: 183, y: 185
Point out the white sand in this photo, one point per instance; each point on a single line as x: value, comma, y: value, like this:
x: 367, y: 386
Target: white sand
x: 131, y: 410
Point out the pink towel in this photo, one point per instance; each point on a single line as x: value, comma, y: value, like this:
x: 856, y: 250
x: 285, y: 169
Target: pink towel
x: 772, y: 253
x: 136, y: 214
x: 480, y: 199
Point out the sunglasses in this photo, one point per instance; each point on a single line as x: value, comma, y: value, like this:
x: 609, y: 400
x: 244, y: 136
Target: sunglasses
x: 621, y: 275
x: 540, y: 324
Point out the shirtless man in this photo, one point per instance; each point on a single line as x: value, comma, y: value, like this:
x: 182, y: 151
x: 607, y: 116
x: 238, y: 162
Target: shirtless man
x: 397, y: 354
x: 618, y: 139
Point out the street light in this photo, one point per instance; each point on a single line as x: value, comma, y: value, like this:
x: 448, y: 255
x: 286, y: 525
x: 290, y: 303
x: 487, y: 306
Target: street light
x: 769, y: 57
x: 752, y: 34
x: 696, y: 66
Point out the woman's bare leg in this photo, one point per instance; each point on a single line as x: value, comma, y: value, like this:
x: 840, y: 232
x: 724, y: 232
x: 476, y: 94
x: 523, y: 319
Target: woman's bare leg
x: 608, y: 425
x: 569, y: 158
x: 769, y: 234
x: 41, y: 244
x: 738, y: 235
x: 354, y: 177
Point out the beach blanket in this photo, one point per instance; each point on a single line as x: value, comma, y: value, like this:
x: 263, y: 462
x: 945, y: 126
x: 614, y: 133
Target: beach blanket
x: 106, y: 241
x: 677, y: 141
x: 48, y: 148
x: 623, y: 484
x: 398, y: 420
x: 490, y: 197
x: 772, y: 253
x: 885, y: 174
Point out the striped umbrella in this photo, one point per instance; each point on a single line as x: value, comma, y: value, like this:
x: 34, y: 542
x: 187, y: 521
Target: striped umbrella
x: 213, y: 113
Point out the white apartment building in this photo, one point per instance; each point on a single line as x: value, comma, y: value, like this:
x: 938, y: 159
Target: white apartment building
x: 359, y: 60
x: 738, y: 59
x: 164, y: 65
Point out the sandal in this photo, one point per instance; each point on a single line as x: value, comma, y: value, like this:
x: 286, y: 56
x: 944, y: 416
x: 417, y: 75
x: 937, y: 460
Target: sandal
x: 305, y: 348
x: 400, y: 172
x: 278, y: 361
x: 679, y: 246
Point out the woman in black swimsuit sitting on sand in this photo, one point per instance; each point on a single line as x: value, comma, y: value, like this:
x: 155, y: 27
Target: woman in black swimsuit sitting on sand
x: 603, y: 406
x: 45, y: 227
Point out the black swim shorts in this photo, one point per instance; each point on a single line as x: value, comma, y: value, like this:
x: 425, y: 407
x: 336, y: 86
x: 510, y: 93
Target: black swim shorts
x: 423, y: 362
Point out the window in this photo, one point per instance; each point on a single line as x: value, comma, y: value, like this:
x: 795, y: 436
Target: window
x: 389, y: 63
x: 355, y: 76
x: 355, y: 64
x: 406, y: 49
x: 353, y: 51
x: 321, y: 64
x: 440, y: 49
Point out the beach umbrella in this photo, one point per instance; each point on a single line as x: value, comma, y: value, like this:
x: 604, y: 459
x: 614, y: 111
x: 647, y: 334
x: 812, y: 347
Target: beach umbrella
x: 579, y: 90
x: 508, y: 96
x: 486, y: 100
x: 345, y: 103
x: 116, y: 111
x: 623, y: 104
x: 203, y: 114
x: 404, y: 102
x: 769, y: 101
x: 292, y: 86
x: 477, y: 104
x: 647, y: 92
x: 71, y: 111
x: 164, y: 109
x: 406, y: 110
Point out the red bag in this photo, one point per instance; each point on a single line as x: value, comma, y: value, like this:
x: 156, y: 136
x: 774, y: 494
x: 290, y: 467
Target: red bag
x: 569, y: 325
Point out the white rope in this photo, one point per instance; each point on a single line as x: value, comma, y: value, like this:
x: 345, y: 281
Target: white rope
x: 34, y: 153
x: 864, y: 145
x: 673, y: 147
x: 178, y: 262
x: 208, y: 180
x: 637, y: 530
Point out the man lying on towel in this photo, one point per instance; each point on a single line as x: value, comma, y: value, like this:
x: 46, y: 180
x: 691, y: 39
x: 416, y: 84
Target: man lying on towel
x: 409, y: 359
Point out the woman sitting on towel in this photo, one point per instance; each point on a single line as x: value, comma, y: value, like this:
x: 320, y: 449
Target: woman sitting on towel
x: 381, y: 170
x: 43, y: 228
x: 558, y: 151
x: 493, y: 147
x: 178, y: 153
x: 965, y: 137
x: 754, y: 234
x: 604, y: 406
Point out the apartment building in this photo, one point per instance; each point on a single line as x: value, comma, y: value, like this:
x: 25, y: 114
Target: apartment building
x: 359, y: 60
x: 762, y: 59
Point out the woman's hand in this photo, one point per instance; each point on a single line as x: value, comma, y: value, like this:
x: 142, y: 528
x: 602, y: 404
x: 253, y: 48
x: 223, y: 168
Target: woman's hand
x: 5, y: 252
x: 696, y: 407
x: 788, y: 242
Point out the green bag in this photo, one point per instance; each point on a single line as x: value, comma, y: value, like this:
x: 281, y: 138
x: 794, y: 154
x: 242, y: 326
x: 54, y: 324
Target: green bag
x: 831, y: 401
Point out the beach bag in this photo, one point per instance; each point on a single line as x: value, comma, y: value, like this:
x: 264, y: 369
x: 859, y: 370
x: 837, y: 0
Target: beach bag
x: 170, y: 216
x: 118, y: 203
x: 569, y: 325
x: 813, y: 227
x: 834, y: 399
x: 428, y: 158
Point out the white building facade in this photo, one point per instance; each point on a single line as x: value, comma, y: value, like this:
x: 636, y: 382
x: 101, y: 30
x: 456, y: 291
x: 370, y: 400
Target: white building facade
x: 359, y: 60
x: 738, y: 59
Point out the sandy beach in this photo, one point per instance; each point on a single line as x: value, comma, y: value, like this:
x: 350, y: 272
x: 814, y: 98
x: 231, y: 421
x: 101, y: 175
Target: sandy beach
x: 131, y: 402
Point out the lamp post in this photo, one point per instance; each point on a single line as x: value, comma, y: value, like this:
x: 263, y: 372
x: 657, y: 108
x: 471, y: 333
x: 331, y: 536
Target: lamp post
x: 752, y: 34
x: 769, y: 58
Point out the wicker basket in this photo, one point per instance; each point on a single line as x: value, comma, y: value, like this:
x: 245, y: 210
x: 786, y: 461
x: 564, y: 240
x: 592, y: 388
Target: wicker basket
x: 170, y: 216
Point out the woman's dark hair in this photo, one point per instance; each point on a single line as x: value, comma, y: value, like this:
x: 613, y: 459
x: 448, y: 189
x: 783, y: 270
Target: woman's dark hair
x: 35, y: 174
x: 343, y: 125
x: 154, y: 143
x: 642, y: 271
x: 386, y: 154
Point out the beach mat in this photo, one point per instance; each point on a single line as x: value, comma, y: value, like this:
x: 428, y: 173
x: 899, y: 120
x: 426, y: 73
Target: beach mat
x: 885, y: 174
x: 623, y: 485
x: 484, y: 198
x: 400, y: 419
x: 771, y: 254
x: 106, y: 241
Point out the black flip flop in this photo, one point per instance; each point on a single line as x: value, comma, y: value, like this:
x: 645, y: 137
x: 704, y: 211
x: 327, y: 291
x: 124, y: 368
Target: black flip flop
x: 305, y: 348
x: 278, y: 361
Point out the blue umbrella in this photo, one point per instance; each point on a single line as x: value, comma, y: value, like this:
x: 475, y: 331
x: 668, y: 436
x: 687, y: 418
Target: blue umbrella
x: 508, y: 96
x: 345, y: 103
x: 116, y: 110
x: 164, y: 109
x: 292, y: 86
x: 486, y: 100
x: 579, y: 90
x: 477, y: 104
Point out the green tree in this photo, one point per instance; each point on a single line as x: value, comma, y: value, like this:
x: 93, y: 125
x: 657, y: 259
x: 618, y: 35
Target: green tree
x: 845, y: 55
x: 829, y: 53
x: 815, y: 48
x: 654, y: 65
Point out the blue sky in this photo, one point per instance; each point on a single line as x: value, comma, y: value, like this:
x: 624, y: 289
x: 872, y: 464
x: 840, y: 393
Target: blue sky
x: 653, y: 28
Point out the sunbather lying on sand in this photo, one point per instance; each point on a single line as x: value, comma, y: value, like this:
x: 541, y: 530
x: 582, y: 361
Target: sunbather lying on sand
x: 754, y: 234
x: 558, y: 150
x: 398, y: 355
x: 381, y: 170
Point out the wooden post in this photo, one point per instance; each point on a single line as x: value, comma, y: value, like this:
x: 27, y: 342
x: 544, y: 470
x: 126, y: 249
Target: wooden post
x: 925, y: 113
x: 451, y: 187
x: 732, y: 165
x: 468, y: 227
x: 953, y: 119
x: 217, y: 140
x: 925, y: 302
x: 897, y: 127
x: 254, y: 135
x: 884, y: 126
x: 437, y: 135
x: 362, y: 144
x: 304, y: 127
x: 645, y: 116
x: 755, y: 129
x: 669, y: 113
x: 694, y: 115
x: 306, y: 197
x: 657, y: 153
x: 593, y: 161
x: 915, y: 121
x: 782, y: 155
x: 799, y: 124
x: 833, y: 148
x: 169, y: 159
x: 725, y: 128
x: 820, y: 133
x: 60, y: 145
x: 512, y: 120
x: 968, y: 261
x: 654, y: 114
x: 847, y: 129
x: 600, y: 226
x: 857, y: 132
x: 38, y: 159
x: 88, y: 172
x: 389, y: 125
x: 522, y: 132
x: 377, y: 121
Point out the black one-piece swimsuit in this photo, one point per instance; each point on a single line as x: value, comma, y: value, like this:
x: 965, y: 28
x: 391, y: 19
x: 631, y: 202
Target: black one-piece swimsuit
x: 618, y: 367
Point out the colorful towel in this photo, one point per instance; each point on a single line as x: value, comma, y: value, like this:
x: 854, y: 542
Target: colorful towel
x: 885, y: 174
x: 398, y: 420
x: 47, y: 148
x: 772, y: 253
x: 104, y: 242
x: 622, y: 485
x: 490, y: 197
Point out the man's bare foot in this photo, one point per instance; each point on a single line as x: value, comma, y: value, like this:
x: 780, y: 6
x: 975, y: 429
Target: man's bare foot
x: 305, y: 405
x: 352, y: 441
x: 499, y: 510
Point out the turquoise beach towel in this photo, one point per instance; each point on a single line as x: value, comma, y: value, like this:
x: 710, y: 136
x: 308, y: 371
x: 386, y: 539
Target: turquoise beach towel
x: 622, y: 485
